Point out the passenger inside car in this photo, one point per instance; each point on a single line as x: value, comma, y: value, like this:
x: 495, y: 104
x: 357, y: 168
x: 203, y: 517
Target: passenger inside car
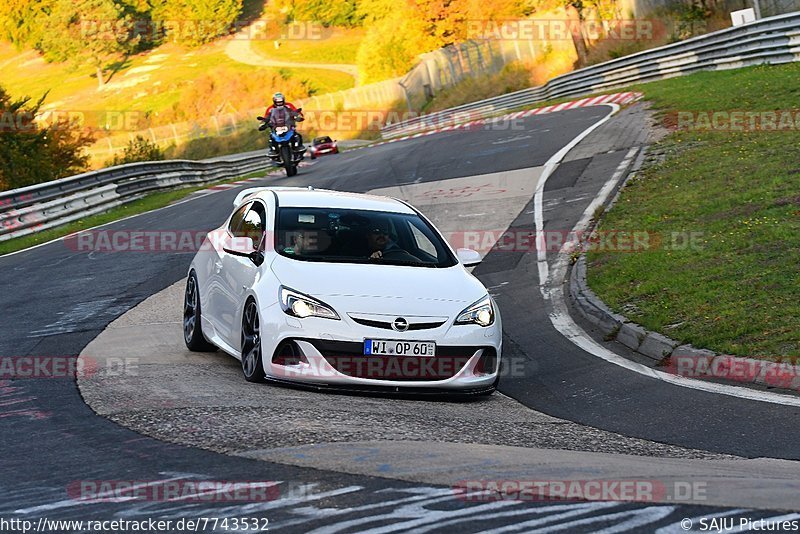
x: 307, y: 242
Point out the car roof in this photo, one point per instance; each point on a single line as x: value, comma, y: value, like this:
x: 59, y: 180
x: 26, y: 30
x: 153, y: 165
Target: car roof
x: 302, y: 197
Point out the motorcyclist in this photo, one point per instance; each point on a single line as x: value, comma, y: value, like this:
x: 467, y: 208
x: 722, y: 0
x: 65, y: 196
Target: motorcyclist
x: 282, y: 112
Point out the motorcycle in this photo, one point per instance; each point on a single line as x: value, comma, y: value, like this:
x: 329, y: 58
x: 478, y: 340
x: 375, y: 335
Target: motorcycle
x: 286, y: 144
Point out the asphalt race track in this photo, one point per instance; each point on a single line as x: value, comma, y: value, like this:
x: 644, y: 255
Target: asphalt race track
x: 56, y: 300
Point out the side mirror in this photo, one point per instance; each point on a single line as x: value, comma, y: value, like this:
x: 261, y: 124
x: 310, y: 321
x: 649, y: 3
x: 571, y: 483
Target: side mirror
x: 243, y: 246
x: 468, y: 257
x: 260, y: 118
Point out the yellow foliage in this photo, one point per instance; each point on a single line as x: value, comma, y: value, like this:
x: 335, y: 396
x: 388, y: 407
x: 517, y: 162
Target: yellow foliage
x: 223, y: 90
x: 392, y: 45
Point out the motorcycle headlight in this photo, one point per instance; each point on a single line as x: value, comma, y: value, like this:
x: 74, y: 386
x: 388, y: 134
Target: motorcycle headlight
x: 301, y: 306
x: 480, y: 313
x: 280, y: 130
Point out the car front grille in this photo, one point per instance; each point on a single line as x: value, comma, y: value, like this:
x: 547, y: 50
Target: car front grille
x: 348, y: 358
x: 388, y: 325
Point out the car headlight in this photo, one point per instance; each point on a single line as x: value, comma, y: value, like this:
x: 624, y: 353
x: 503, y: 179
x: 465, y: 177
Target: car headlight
x: 299, y: 305
x: 480, y: 313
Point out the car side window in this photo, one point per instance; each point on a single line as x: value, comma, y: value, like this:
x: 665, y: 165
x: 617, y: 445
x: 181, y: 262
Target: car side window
x: 253, y: 224
x: 236, y: 219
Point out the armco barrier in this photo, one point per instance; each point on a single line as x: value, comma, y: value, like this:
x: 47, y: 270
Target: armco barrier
x: 38, y: 207
x: 773, y: 40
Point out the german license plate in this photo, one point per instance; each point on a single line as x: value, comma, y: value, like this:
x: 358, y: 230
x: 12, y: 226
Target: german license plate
x: 391, y: 347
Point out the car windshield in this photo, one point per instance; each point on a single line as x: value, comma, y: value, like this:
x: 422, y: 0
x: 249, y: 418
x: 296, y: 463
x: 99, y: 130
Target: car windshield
x: 321, y: 140
x: 359, y: 236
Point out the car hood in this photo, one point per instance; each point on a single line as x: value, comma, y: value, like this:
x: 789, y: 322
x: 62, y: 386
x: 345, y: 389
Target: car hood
x: 324, y: 145
x: 412, y: 290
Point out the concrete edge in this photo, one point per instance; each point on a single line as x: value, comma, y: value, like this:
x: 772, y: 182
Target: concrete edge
x: 669, y: 355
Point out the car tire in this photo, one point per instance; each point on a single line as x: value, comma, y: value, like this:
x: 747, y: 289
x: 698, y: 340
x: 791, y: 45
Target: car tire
x: 252, y: 362
x: 313, y: 156
x: 192, y: 326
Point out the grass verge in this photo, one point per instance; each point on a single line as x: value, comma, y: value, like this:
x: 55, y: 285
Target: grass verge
x: 723, y: 208
x: 332, y: 46
x: 149, y: 202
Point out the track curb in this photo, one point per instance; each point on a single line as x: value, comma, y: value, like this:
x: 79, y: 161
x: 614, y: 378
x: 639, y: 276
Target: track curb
x: 672, y: 356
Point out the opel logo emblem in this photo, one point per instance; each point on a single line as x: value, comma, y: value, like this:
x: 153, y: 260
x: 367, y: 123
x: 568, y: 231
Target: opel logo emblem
x: 400, y: 324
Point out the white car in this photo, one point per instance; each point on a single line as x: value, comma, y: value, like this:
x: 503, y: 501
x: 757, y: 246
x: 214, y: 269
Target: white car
x: 335, y: 289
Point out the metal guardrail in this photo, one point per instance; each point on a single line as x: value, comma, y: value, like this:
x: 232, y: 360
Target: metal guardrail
x: 39, y: 207
x: 773, y: 40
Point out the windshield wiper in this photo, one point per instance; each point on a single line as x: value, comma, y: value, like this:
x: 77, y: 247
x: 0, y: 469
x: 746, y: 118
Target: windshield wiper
x: 404, y: 263
x: 331, y: 259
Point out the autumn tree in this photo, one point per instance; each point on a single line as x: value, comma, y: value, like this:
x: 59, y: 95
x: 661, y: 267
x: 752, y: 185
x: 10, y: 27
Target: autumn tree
x: 195, y: 22
x: 22, y: 21
x: 89, y: 32
x: 399, y: 31
x: 31, y: 153
x: 327, y: 12
x: 392, y: 45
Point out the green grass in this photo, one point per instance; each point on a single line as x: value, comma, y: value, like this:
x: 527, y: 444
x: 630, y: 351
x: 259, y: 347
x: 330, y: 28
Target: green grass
x: 76, y: 89
x: 320, y: 81
x: 151, y: 91
x: 737, y: 291
x: 337, y: 46
x: 149, y: 202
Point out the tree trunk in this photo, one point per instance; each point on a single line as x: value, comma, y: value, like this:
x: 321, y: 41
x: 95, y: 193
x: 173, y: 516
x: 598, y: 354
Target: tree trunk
x: 100, y: 79
x: 575, y: 19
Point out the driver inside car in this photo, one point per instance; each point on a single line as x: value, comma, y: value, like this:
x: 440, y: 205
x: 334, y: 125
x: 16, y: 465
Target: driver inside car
x: 381, y: 245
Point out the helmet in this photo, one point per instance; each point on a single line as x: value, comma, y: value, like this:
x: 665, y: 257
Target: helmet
x: 278, y: 99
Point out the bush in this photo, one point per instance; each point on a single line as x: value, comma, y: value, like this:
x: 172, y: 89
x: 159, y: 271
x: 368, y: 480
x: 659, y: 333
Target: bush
x: 223, y: 90
x: 138, y: 149
x: 513, y: 77
x: 326, y: 12
x: 196, y: 22
x: 31, y: 153
x: 209, y: 147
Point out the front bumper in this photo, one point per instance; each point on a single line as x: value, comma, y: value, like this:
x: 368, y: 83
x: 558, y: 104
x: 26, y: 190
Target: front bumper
x: 325, y: 353
x: 407, y: 391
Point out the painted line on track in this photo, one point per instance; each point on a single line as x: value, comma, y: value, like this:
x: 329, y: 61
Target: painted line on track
x: 549, y: 167
x: 613, y: 98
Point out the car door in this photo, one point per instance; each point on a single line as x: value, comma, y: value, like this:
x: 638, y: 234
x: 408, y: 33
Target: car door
x: 239, y: 273
x: 217, y: 299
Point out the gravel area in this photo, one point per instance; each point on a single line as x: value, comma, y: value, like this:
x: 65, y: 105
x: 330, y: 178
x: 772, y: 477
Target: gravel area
x: 241, y: 428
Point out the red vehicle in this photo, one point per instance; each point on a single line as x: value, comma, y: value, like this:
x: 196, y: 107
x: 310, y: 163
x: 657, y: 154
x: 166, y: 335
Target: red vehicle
x: 323, y: 145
